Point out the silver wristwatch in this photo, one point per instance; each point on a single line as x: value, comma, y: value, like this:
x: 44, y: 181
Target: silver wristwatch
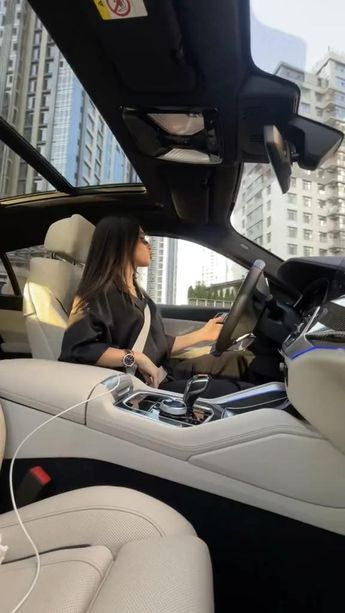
x: 128, y: 359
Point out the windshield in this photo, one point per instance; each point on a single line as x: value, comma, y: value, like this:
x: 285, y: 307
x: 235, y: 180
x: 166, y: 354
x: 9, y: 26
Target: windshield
x: 41, y: 97
x: 303, y: 42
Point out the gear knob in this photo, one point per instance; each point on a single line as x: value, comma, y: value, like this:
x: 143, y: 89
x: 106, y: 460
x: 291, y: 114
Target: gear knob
x: 194, y: 388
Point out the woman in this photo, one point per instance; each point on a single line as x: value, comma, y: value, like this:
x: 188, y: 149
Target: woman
x: 108, y: 314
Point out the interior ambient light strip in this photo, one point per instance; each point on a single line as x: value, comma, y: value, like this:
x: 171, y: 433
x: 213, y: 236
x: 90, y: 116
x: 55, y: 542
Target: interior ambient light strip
x: 303, y: 351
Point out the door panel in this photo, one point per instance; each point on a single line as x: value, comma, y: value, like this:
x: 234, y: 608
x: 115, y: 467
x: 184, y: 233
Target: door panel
x: 179, y: 320
x: 14, y: 340
x: 184, y: 319
x: 188, y: 312
x: 11, y: 303
x: 175, y: 327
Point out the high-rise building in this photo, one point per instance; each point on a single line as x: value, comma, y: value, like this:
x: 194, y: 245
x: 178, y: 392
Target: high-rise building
x: 161, y: 275
x: 43, y: 99
x: 171, y: 271
x: 215, y: 268
x: 310, y: 218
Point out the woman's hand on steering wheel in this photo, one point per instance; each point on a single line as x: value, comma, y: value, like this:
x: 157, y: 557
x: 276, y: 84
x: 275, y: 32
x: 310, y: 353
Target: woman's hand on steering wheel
x: 243, y: 298
x: 147, y: 368
x: 212, y: 329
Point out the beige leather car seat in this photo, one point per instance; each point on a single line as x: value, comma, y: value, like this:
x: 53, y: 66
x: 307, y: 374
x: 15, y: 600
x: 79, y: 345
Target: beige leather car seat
x: 104, y: 549
x: 52, y: 283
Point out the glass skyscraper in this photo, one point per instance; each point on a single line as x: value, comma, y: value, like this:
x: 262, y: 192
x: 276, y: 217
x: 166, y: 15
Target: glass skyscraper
x: 43, y: 99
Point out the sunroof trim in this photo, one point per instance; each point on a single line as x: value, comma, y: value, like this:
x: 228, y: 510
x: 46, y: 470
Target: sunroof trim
x: 89, y: 190
x: 18, y: 144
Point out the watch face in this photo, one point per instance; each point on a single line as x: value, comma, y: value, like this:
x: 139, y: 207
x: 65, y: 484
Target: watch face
x: 128, y: 360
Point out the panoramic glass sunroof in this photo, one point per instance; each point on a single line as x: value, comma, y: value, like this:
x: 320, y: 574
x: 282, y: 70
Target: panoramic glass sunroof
x: 43, y: 100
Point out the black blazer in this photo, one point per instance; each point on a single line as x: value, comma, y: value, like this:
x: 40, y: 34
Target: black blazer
x: 113, y: 319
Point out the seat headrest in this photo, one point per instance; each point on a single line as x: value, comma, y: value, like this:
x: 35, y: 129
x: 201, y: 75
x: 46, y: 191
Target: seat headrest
x: 70, y: 237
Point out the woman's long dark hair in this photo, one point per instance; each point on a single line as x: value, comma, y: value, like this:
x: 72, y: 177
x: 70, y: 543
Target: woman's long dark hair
x: 111, y: 251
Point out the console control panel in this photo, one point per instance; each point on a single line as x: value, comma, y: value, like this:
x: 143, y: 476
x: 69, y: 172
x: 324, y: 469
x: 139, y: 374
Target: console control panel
x: 166, y: 409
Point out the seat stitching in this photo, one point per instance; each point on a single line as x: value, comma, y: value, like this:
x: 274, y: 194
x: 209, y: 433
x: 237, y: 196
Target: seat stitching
x: 106, y: 574
x: 57, y: 563
x: 84, y: 510
x: 42, y: 553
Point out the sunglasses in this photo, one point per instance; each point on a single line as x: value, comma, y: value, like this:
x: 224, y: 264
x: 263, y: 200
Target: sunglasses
x: 144, y: 239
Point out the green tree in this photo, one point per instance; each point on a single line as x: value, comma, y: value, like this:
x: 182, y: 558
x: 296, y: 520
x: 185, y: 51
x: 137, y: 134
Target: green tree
x: 227, y: 296
x: 191, y: 292
x: 198, y: 290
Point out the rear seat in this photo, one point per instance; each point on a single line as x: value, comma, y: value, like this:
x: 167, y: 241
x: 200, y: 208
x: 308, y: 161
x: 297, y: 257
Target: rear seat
x: 104, y: 549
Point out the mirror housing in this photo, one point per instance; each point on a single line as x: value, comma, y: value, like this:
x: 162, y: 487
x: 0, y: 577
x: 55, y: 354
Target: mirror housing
x: 305, y: 141
x: 314, y: 142
x: 279, y: 154
x: 270, y: 101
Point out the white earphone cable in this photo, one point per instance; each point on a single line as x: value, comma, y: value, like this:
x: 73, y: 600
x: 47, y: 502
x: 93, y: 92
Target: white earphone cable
x: 20, y: 521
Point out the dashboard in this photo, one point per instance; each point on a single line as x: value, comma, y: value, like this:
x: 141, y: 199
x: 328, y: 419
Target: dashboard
x: 315, y: 279
x: 313, y: 283
x: 320, y: 306
x: 315, y: 294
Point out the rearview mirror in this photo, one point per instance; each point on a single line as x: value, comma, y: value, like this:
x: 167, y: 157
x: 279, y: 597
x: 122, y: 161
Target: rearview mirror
x: 307, y: 142
x: 279, y: 154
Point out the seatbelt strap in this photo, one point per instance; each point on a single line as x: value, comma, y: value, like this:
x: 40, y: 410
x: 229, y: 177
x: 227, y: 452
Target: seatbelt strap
x: 140, y: 343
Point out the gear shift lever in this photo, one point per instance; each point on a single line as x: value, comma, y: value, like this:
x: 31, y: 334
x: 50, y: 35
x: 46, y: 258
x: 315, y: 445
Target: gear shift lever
x: 194, y: 388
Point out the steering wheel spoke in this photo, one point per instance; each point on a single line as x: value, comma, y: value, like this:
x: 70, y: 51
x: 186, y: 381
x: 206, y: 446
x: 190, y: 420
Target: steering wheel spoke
x: 226, y: 338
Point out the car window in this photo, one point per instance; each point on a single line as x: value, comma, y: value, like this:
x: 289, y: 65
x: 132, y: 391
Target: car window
x: 41, y: 97
x: 182, y: 272
x: 310, y: 52
x: 5, y: 283
x: 20, y: 262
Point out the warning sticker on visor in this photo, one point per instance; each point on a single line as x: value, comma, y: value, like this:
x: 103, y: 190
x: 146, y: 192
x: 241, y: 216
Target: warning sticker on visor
x: 120, y: 9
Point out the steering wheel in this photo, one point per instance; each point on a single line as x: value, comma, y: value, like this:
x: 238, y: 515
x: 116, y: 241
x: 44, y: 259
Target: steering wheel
x: 245, y: 293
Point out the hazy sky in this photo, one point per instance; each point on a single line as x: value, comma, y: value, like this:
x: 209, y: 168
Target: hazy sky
x: 189, y: 268
x: 320, y: 23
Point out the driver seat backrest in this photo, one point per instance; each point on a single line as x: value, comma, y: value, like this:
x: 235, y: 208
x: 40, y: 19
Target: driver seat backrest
x: 52, y: 283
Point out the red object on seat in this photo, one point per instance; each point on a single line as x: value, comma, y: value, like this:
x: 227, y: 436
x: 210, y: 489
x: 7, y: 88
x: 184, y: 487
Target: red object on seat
x: 30, y: 489
x: 40, y: 474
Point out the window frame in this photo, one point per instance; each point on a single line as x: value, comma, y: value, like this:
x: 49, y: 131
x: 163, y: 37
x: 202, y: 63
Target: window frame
x: 11, y: 275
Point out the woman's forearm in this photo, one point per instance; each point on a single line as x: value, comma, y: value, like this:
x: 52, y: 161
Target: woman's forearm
x: 111, y: 358
x: 208, y: 333
x: 187, y: 340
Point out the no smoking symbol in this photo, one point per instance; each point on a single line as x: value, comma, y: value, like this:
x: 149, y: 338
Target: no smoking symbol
x: 121, y: 8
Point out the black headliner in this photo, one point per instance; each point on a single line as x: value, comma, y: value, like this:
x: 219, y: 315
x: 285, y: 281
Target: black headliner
x: 184, y: 54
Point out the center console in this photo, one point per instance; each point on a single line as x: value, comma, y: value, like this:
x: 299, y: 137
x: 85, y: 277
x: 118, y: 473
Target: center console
x: 191, y: 410
x: 297, y: 341
x: 167, y: 410
x: 248, y: 446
